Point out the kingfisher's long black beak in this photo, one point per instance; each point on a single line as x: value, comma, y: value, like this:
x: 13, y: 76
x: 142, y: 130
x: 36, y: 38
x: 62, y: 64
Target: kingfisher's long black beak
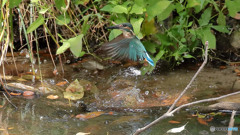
x: 114, y: 27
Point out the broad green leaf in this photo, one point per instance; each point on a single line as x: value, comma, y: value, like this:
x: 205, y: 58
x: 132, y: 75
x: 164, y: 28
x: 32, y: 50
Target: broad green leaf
x: 120, y: 9
x: 107, y: 8
x: 205, y: 17
x: 63, y: 19
x: 179, y: 7
x: 221, y: 28
x: 82, y: 53
x: 76, y: 45
x: 156, y: 7
x: 59, y: 4
x: 35, y: 24
x: 193, y: 3
x: 150, y: 47
x: 206, y: 35
x: 221, y: 19
x: 140, y: 3
x: 166, y: 13
x: 136, y: 23
x: 136, y: 9
x: 188, y: 56
x: 113, y: 34
x: 14, y: 3
x: 233, y: 7
x: 63, y: 48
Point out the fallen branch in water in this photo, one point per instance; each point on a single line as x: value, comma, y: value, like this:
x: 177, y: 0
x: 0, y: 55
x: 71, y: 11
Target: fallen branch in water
x: 170, y: 112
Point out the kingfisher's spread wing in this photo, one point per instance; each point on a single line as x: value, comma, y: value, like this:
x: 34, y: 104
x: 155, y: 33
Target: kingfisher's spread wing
x: 127, y: 48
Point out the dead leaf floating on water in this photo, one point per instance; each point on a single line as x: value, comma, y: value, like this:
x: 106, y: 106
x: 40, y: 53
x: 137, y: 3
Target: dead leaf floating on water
x: 28, y: 93
x: 61, y: 83
x: 89, y: 115
x: 82, y: 133
x: 74, y: 91
x: 21, y: 86
x: 52, y: 96
x: 173, y: 122
x: 177, y: 130
x: 15, y: 94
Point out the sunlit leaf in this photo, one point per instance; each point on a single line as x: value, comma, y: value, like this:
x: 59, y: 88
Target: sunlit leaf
x: 4, y: 2
x: 177, y: 130
x: 34, y: 1
x: 136, y: 24
x: 193, y: 3
x: 14, y: 3
x: 207, y: 35
x: 157, y: 7
x: 120, y: 9
x: 35, y: 24
x: 80, y: 2
x: 136, y: 9
x: 63, y: 48
x: 107, y: 8
x: 44, y: 10
x: 76, y: 45
x: 233, y: 7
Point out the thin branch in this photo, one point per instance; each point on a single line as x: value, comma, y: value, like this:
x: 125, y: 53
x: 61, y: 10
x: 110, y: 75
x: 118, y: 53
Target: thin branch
x: 168, y: 113
x: 231, y: 123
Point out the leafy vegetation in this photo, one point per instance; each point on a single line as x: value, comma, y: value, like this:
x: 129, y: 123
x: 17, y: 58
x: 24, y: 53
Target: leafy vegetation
x: 170, y: 30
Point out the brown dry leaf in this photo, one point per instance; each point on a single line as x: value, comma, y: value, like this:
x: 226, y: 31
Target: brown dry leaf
x: 21, y: 86
x: 202, y: 121
x: 237, y: 16
x: 237, y: 70
x: 89, y: 115
x: 238, y: 74
x: 52, y: 97
x: 1, y: 106
x: 173, y: 122
x: 1, y: 129
x: 6, y: 77
x: 222, y: 67
x: 15, y: 94
x: 21, y: 80
x: 61, y: 83
x: 11, y: 128
x: 28, y: 93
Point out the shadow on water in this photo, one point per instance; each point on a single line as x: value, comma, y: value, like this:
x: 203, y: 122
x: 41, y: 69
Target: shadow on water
x: 127, y: 99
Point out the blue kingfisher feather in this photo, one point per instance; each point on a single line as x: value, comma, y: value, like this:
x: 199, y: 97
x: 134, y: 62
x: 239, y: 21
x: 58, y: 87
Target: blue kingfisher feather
x: 127, y: 45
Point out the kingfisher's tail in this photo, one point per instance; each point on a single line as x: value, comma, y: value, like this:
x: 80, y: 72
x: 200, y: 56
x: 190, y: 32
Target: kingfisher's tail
x: 149, y: 60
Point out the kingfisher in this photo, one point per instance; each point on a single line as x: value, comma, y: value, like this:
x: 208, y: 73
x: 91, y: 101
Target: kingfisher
x: 127, y: 45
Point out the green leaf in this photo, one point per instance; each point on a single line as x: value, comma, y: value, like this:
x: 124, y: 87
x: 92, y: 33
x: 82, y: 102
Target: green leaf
x: 187, y: 56
x: 136, y: 23
x: 82, y: 53
x: 221, y: 19
x: 44, y: 10
x: 14, y: 3
x: 221, y: 28
x: 35, y: 24
x: 150, y: 47
x: 206, y: 35
x: 140, y: 3
x: 156, y: 7
x: 4, y: 2
x: 63, y: 19
x: 34, y: 1
x: 233, y: 7
x: 136, y: 9
x: 63, y: 48
x: 59, y: 4
x: 76, y: 45
x: 166, y: 13
x: 120, y: 9
x: 113, y: 34
x: 193, y: 3
x: 85, y: 26
x: 107, y: 8
x: 205, y: 18
x: 80, y: 2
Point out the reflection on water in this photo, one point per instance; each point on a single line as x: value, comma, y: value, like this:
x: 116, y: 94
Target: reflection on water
x: 135, y: 100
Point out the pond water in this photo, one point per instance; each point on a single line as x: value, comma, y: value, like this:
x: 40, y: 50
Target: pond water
x: 123, y: 99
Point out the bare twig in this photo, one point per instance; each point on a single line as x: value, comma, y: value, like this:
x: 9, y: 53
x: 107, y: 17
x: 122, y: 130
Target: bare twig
x: 231, y: 123
x: 169, y: 113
